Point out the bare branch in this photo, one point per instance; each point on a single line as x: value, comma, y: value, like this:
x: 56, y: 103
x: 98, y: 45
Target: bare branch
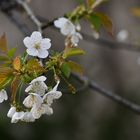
x: 115, y: 97
x: 30, y: 13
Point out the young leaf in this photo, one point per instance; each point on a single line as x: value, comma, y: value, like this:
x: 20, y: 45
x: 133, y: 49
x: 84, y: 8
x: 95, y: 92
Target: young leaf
x: 106, y: 22
x: 65, y: 69
x: 5, y: 76
x: 33, y: 65
x: 95, y: 21
x: 3, y: 44
x: 75, y: 67
x: 11, y: 52
x: 72, y: 52
x: 17, y: 63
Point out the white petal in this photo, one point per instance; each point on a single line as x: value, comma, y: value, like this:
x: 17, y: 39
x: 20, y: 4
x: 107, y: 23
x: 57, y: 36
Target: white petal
x: 29, y: 88
x: 46, y: 109
x: 42, y: 53
x: 17, y: 116
x: 28, y: 117
x: 36, y: 37
x: 28, y: 42
x: 36, y: 112
x: 40, y: 78
x: 50, y: 96
x: 75, y: 38
x: 37, y: 99
x: 60, y: 22
x: 68, y: 28
x: 56, y: 86
x: 45, y: 43
x: 3, y: 95
x: 32, y: 51
x: 11, y: 112
x: 29, y: 101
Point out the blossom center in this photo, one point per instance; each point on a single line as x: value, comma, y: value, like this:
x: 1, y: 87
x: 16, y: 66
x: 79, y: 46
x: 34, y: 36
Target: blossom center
x: 37, y: 46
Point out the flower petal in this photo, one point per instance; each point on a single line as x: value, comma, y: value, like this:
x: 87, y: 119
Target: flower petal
x: 36, y: 37
x: 32, y: 51
x: 68, y: 28
x: 45, y: 44
x: 17, y: 116
x: 3, y: 95
x: 42, y: 53
x: 11, y: 112
x: 60, y: 22
x: 28, y: 42
x: 40, y: 78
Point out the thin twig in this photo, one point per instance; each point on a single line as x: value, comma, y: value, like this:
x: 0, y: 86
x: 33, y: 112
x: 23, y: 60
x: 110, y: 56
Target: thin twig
x: 30, y: 13
x: 115, y: 97
x: 96, y: 3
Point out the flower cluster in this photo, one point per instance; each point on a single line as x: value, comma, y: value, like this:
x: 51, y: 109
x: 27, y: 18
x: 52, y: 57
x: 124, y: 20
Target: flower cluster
x: 67, y: 28
x: 37, y: 103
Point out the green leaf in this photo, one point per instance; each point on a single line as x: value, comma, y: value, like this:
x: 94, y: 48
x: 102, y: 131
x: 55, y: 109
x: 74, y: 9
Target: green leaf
x: 5, y: 74
x: 106, y: 22
x: 11, y: 52
x: 33, y: 66
x: 75, y: 67
x: 3, y: 44
x: 95, y: 21
x: 73, y: 52
x: 65, y: 69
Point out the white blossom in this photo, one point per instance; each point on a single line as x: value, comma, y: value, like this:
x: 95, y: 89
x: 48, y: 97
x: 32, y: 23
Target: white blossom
x: 11, y: 112
x: 3, y: 95
x: 38, y: 111
x: 65, y: 25
x: 51, y: 95
x: 68, y: 29
x: 37, y: 86
x: 36, y: 45
x: 75, y: 38
x: 32, y: 99
x: 28, y: 117
x: 17, y: 116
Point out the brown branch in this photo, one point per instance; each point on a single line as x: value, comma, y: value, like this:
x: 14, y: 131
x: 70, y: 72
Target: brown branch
x: 30, y: 13
x: 115, y: 97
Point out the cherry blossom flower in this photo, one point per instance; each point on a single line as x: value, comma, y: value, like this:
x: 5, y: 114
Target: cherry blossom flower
x: 68, y: 29
x: 32, y: 99
x: 3, y: 95
x: 65, y: 25
x: 37, y: 86
x: 75, y: 38
x: 38, y: 111
x: 53, y: 94
x: 36, y: 45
